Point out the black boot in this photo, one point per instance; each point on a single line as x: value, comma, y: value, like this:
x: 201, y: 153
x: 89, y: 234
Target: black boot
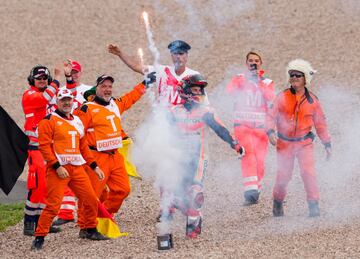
x: 29, y: 228
x: 61, y: 221
x: 278, y: 210
x: 37, y: 244
x: 54, y: 229
x: 314, y: 210
x: 193, y: 227
x: 93, y: 234
x: 82, y: 233
x: 251, y: 197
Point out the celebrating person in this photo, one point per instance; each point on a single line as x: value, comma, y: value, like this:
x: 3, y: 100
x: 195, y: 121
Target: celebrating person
x: 189, y: 121
x: 168, y: 77
x: 35, y: 102
x: 64, y: 148
x: 102, y: 121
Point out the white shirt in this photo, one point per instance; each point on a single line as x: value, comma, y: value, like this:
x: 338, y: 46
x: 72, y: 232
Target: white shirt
x: 80, y: 90
x: 168, y: 81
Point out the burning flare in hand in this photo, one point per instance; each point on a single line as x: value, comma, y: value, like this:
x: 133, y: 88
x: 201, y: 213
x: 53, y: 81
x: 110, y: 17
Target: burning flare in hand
x: 141, y: 56
x: 146, y: 19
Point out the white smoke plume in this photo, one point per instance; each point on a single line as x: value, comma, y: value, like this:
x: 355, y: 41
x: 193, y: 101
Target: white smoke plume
x: 154, y: 50
x: 159, y: 157
x: 336, y: 177
x: 158, y: 153
x: 194, y: 23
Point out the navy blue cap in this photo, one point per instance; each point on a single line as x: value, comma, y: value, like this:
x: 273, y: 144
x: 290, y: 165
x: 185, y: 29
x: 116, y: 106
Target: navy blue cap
x: 40, y: 71
x: 103, y: 78
x: 179, y: 46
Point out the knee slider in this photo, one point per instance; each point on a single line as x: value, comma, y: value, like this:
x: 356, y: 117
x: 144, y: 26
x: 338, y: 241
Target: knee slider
x: 197, y: 196
x: 199, y: 200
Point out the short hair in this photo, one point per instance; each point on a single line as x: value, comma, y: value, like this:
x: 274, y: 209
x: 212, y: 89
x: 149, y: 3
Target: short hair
x: 253, y: 53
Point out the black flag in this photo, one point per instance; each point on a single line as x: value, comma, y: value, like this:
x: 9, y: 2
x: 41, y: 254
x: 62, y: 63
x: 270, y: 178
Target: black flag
x: 13, y: 151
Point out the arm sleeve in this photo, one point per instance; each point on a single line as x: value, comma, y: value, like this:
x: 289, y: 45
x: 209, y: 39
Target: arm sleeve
x: 34, y: 100
x: 46, y: 132
x: 216, y: 125
x: 321, y: 125
x: 127, y: 100
x: 271, y: 115
x: 233, y: 85
x: 269, y: 93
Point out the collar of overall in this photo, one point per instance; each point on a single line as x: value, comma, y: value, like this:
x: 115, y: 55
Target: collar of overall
x: 101, y: 101
x: 307, y: 94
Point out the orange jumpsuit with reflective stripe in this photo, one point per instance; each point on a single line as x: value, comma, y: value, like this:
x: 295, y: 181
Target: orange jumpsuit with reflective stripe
x: 62, y: 142
x: 293, y: 116
x: 68, y: 205
x: 102, y: 123
x: 252, y: 97
x: 35, y: 103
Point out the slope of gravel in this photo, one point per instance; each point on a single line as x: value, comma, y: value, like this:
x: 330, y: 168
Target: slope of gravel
x: 325, y: 32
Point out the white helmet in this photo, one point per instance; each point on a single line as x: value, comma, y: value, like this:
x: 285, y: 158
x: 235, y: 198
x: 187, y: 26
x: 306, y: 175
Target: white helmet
x: 302, y: 66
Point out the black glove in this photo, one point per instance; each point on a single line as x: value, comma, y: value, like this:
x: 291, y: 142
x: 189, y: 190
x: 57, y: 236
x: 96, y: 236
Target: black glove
x: 238, y: 148
x: 150, y: 78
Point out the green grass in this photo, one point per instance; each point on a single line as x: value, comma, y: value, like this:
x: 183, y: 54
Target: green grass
x: 10, y: 214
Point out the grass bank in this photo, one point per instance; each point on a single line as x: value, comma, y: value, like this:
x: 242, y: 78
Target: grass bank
x: 10, y: 214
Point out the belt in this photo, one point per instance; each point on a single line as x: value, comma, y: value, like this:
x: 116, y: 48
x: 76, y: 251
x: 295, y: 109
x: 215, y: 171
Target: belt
x: 109, y: 152
x: 257, y: 127
x: 309, y: 135
x: 31, y: 147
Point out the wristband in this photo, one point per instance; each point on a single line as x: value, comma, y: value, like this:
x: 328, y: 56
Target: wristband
x: 93, y: 165
x: 56, y: 165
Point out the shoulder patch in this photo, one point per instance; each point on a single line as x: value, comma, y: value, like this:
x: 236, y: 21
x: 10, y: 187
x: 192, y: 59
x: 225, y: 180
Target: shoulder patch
x: 47, y: 117
x: 84, y: 108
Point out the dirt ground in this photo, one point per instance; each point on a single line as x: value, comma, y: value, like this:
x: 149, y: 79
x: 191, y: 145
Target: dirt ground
x: 325, y: 32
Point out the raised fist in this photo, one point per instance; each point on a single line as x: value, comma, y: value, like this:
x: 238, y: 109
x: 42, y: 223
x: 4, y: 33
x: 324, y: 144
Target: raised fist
x: 114, y: 49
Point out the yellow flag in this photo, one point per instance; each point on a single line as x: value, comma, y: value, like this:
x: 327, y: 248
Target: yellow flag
x: 106, y: 224
x: 125, y: 151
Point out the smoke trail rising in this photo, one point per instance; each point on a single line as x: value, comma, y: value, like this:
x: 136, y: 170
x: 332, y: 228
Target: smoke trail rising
x: 155, y: 52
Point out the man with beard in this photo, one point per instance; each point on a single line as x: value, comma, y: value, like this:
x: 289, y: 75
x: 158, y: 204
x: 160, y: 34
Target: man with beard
x: 63, y: 145
x: 68, y: 206
x: 102, y: 121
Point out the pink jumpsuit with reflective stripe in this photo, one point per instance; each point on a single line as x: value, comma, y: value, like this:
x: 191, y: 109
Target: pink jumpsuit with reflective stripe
x: 252, y: 97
